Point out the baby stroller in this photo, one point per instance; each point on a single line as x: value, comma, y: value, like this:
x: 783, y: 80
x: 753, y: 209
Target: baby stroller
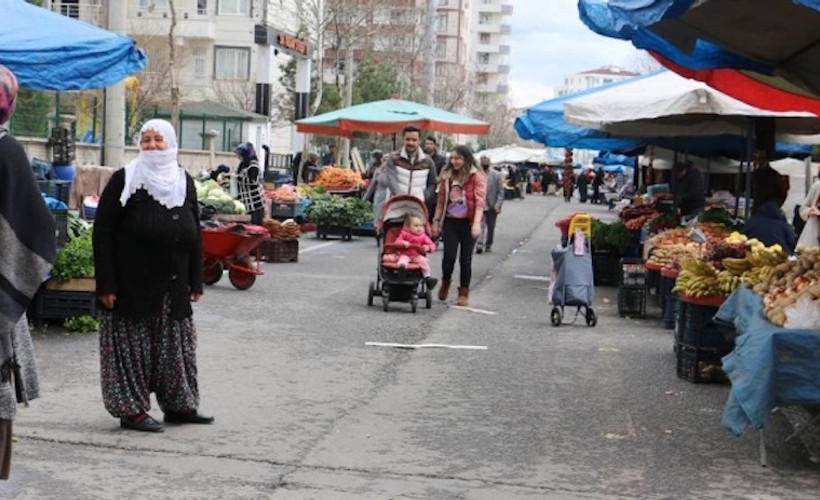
x: 571, y: 282
x: 392, y: 283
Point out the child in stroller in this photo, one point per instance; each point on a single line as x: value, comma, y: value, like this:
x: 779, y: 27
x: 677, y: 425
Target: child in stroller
x: 411, y: 245
x: 403, y: 270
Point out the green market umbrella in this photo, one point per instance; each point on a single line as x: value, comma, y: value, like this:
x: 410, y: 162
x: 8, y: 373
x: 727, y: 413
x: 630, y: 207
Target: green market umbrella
x: 390, y: 116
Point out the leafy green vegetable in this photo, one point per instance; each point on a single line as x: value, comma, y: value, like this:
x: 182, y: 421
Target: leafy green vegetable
x: 81, y: 324
x: 75, y: 260
x: 613, y: 236
x: 330, y: 210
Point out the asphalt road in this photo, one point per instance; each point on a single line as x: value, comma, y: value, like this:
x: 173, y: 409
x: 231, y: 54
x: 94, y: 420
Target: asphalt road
x: 304, y: 409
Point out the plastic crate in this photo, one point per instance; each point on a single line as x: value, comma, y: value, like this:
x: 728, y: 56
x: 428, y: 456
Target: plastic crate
x: 59, y: 190
x: 61, y: 220
x: 701, y: 365
x: 606, y: 269
x: 288, y: 209
x: 633, y: 273
x: 54, y: 304
x: 274, y: 250
x: 344, y: 232
x: 632, y: 302
x: 696, y: 327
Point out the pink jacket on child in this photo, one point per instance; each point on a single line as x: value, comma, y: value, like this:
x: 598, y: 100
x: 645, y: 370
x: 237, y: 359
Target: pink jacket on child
x: 420, y: 240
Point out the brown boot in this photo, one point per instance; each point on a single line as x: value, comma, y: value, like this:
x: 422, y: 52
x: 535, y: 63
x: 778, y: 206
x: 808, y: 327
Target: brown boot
x: 444, y: 290
x: 463, y: 296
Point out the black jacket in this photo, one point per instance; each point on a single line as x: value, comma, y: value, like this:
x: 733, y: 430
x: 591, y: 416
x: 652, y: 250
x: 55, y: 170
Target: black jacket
x: 769, y: 225
x: 689, y: 192
x: 144, y: 251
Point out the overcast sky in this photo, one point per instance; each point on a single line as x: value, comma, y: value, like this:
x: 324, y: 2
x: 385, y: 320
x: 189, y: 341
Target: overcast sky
x: 549, y: 41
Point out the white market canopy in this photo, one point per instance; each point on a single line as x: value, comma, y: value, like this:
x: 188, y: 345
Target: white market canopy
x: 518, y: 154
x: 667, y: 104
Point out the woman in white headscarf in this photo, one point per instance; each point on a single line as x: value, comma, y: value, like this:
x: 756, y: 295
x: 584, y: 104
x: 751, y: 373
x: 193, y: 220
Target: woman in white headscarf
x: 148, y: 265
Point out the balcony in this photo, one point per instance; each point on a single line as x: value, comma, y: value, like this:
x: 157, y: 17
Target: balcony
x: 505, y: 29
x: 507, y: 9
x: 157, y: 23
x: 502, y: 88
x: 489, y: 27
x: 504, y: 68
x: 84, y: 11
x: 503, y: 49
x: 489, y: 48
x: 489, y: 6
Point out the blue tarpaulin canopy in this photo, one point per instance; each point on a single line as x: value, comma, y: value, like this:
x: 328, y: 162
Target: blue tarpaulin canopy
x: 763, y: 52
x: 48, y: 51
x: 544, y: 123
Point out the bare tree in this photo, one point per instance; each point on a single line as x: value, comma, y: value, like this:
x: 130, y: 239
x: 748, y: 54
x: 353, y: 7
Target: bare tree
x: 172, y: 62
x: 237, y: 93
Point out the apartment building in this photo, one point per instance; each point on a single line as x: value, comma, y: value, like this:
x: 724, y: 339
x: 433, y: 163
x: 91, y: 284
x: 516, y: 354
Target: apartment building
x: 219, y: 59
x: 585, y: 80
x: 491, y: 32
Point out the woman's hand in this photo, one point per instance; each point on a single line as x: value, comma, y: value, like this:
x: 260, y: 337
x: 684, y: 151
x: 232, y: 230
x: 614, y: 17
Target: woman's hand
x: 475, y: 231
x: 108, y: 300
x: 814, y: 211
x: 195, y: 296
x: 434, y: 229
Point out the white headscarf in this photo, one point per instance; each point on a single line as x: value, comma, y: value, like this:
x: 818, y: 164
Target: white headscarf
x: 158, y: 172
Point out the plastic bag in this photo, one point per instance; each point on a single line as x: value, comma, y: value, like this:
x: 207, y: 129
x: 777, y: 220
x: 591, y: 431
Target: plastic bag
x: 804, y: 314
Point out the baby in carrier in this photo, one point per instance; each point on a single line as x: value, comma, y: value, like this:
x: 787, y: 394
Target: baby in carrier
x: 415, y: 243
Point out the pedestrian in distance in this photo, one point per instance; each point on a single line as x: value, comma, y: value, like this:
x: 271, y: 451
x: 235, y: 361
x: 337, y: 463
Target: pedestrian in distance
x: 329, y: 159
x: 376, y: 192
x: 148, y: 266
x: 310, y: 169
x: 810, y: 213
x: 27, y: 233
x: 249, y: 182
x: 461, y: 191
x: 494, y: 200
x: 582, y: 183
x: 431, y: 149
x: 414, y: 246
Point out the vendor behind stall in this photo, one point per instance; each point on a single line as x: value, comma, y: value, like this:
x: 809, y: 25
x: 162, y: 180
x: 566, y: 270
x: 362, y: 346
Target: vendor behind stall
x: 690, y: 197
x: 768, y: 222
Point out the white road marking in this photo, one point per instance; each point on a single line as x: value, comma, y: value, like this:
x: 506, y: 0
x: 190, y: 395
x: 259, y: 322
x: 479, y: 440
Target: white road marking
x: 316, y: 247
x: 473, y: 309
x: 530, y: 277
x: 418, y: 346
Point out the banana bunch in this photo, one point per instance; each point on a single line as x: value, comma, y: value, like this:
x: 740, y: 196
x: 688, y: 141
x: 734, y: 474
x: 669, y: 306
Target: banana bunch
x: 736, y: 266
x: 727, y: 281
x: 756, y: 275
x: 736, y: 237
x: 763, y: 256
x: 697, y: 279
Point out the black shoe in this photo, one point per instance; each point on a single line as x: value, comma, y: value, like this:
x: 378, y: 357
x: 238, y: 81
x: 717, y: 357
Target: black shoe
x: 431, y: 283
x: 479, y: 250
x: 188, y: 417
x: 488, y: 249
x: 142, y: 422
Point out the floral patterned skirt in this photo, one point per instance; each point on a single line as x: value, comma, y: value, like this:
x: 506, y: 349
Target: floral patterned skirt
x: 139, y: 356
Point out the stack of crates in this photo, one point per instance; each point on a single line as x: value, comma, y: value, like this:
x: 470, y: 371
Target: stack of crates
x: 632, y: 288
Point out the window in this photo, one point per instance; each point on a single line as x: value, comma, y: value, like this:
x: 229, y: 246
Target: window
x: 199, y: 56
x: 483, y: 19
x: 234, y: 7
x: 484, y: 38
x: 443, y: 20
x: 481, y: 78
x: 202, y: 7
x: 441, y: 51
x: 154, y: 5
x: 232, y: 63
x: 484, y: 58
x: 443, y: 3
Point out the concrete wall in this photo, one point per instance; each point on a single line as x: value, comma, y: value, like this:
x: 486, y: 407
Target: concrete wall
x: 193, y: 161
